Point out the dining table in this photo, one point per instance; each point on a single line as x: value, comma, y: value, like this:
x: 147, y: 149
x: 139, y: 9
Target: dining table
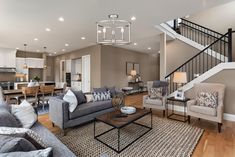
x: 13, y: 93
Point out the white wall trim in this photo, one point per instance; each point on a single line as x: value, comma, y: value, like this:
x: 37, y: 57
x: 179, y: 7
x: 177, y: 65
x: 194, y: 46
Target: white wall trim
x: 226, y: 116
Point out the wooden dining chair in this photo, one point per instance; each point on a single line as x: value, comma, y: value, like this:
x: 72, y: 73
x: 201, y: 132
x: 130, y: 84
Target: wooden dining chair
x: 31, y: 94
x: 46, y: 93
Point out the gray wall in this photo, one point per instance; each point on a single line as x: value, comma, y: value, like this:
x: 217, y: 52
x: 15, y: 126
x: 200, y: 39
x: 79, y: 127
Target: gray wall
x: 113, y: 66
x: 225, y: 77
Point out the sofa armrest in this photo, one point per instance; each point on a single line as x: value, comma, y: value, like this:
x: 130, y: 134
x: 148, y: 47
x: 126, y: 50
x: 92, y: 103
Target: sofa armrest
x: 58, y: 111
x: 220, y: 111
x: 144, y: 98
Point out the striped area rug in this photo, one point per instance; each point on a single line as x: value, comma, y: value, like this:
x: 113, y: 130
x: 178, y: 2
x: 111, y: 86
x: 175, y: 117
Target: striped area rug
x: 168, y: 138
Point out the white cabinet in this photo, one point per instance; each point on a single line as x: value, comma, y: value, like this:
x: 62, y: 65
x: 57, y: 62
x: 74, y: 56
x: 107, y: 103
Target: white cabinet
x: 35, y: 62
x: 86, y: 84
x: 68, y: 64
x: 76, y: 85
x: 19, y: 66
x: 7, y: 58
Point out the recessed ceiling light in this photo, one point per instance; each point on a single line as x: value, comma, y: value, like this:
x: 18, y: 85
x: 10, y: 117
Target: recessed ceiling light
x: 149, y: 48
x: 48, y: 29
x: 38, y: 50
x: 50, y: 54
x: 35, y: 39
x: 83, y: 38
x: 66, y: 44
x: 63, y: 50
x: 17, y: 48
x: 55, y: 52
x: 133, y: 18
x: 135, y: 43
x: 61, y: 19
x: 99, y: 31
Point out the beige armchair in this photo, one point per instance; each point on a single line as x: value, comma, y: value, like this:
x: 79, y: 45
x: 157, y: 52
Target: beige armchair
x: 211, y: 114
x: 159, y: 104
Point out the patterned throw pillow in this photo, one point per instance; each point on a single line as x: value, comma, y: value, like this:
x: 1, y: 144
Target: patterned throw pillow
x: 155, y: 93
x: 28, y: 134
x: 101, y: 96
x: 207, y: 99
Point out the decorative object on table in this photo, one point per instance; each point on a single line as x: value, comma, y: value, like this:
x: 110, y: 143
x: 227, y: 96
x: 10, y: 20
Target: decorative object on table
x: 133, y: 74
x: 118, y: 101
x: 179, y: 78
x: 36, y: 78
x: 128, y: 110
x: 113, y: 31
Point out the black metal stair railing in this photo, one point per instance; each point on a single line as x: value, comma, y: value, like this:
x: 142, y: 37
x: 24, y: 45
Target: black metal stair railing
x: 204, y: 60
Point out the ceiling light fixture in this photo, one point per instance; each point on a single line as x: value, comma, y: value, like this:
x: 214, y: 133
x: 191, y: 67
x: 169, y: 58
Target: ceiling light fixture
x: 66, y: 44
x: 135, y: 44
x: 83, y: 38
x: 25, y: 64
x: 17, y: 48
x: 61, y: 19
x: 38, y: 50
x: 55, y: 52
x: 63, y: 50
x: 133, y: 18
x: 35, y: 39
x: 113, y: 31
x: 48, y: 29
x: 149, y: 48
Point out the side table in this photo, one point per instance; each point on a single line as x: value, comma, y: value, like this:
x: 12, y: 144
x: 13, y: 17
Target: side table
x: 173, y: 114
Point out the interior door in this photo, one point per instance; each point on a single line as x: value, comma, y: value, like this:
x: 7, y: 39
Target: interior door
x: 86, y: 68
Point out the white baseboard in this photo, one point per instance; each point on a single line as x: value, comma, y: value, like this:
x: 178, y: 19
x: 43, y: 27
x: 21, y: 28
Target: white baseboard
x: 227, y: 116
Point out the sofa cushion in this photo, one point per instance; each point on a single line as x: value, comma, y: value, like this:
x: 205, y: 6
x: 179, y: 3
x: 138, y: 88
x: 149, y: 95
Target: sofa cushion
x: 91, y: 107
x: 203, y: 110
x: 7, y: 119
x: 155, y: 93
x: 153, y: 101
x: 13, y: 144
x: 80, y: 97
x: 35, y: 153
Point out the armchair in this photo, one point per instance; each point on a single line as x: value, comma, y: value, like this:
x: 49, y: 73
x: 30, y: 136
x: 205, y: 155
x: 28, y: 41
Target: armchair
x: 159, y: 104
x: 203, y: 112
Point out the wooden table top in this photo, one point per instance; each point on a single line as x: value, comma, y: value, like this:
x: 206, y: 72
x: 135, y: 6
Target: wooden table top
x: 19, y: 91
x: 118, y: 122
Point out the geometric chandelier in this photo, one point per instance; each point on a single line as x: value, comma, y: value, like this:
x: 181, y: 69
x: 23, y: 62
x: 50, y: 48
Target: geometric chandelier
x: 113, y: 31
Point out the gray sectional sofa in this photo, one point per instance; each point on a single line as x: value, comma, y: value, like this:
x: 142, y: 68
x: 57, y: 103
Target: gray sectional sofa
x: 60, y: 116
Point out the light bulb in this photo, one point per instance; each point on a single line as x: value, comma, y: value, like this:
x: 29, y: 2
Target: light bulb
x: 122, y: 30
x: 104, y: 30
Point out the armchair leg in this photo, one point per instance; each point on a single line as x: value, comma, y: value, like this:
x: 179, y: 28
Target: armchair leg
x: 219, y: 127
x: 64, y: 131
x: 189, y: 119
x: 164, y: 113
x: 199, y: 119
x: 53, y: 125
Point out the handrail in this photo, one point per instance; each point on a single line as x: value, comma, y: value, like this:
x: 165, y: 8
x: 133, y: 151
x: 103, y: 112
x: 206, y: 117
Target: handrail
x: 197, y: 54
x: 201, y: 26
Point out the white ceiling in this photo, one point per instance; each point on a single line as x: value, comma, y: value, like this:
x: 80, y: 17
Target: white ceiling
x: 23, y: 20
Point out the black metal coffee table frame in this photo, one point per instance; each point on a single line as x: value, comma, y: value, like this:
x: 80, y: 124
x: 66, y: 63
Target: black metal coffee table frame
x: 119, y: 128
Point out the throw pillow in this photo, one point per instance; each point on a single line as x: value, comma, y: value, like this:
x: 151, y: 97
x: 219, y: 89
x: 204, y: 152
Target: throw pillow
x: 101, y: 96
x: 71, y: 99
x: 89, y: 97
x: 36, y: 153
x: 28, y: 134
x: 25, y: 113
x: 155, y: 93
x: 13, y: 144
x: 80, y: 96
x: 7, y: 119
x: 207, y: 99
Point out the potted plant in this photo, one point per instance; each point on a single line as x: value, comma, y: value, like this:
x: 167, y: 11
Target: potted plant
x: 36, y: 78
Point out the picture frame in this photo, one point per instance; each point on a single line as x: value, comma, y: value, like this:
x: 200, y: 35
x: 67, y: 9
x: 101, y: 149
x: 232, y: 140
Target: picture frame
x: 179, y: 94
x: 129, y: 67
x: 137, y: 68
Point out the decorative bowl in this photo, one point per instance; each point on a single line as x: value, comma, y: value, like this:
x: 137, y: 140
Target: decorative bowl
x: 128, y: 110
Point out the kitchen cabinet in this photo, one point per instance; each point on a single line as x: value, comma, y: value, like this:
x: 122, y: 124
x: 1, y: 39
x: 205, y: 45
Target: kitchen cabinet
x: 68, y: 64
x: 35, y: 62
x: 9, y: 59
x: 76, y: 85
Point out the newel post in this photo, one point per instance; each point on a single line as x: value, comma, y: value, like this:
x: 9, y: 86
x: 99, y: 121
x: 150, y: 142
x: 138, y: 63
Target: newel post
x: 230, y: 42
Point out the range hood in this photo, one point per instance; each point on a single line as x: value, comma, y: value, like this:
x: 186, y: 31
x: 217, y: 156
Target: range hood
x: 7, y: 70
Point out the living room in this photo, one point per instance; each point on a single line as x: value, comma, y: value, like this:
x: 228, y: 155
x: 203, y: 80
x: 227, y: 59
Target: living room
x: 112, y: 78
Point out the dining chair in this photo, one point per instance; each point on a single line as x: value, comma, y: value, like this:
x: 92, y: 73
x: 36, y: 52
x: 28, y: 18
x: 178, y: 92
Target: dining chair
x: 46, y: 93
x: 30, y: 94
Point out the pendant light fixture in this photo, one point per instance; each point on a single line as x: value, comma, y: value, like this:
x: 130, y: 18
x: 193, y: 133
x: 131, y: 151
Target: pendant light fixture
x: 25, y: 64
x: 45, y: 66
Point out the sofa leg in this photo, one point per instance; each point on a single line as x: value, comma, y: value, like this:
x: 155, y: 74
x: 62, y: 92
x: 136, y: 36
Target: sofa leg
x: 164, y: 113
x: 219, y: 127
x: 189, y: 119
x: 199, y: 119
x: 53, y: 125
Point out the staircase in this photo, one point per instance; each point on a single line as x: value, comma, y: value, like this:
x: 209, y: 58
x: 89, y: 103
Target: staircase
x: 215, y: 49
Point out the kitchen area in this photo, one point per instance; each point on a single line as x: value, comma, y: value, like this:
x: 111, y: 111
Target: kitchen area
x: 17, y: 68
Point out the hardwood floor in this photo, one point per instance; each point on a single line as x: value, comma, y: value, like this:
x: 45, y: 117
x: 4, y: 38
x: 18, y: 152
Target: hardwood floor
x: 211, y: 144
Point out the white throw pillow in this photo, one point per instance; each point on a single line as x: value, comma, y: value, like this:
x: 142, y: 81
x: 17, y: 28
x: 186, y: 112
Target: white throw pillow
x: 25, y: 113
x: 71, y: 99
x: 89, y: 97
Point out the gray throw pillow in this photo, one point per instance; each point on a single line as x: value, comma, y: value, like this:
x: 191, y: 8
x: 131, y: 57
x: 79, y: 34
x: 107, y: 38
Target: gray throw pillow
x: 13, y: 144
x: 97, y: 90
x: 7, y: 119
x: 81, y: 98
x: 36, y: 153
x: 28, y: 134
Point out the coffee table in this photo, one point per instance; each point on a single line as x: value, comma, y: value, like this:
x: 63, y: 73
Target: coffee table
x: 118, y: 123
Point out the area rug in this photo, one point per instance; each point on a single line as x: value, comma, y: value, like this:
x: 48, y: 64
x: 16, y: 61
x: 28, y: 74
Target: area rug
x: 168, y: 138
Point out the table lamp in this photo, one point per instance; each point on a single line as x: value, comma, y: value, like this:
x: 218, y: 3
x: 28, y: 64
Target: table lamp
x: 179, y: 78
